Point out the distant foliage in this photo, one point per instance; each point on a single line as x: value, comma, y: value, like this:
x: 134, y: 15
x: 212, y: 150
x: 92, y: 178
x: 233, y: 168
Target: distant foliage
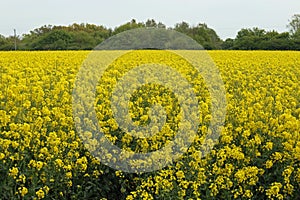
x: 88, y: 36
x: 259, y: 39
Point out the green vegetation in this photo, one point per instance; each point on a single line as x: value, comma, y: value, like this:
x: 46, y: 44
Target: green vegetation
x: 259, y: 39
x: 87, y: 36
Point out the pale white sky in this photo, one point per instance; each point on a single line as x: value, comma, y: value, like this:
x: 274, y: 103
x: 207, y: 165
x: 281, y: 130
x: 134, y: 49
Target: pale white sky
x: 226, y: 17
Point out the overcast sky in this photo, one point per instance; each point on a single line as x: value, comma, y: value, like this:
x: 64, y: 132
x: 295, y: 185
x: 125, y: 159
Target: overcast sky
x: 226, y: 17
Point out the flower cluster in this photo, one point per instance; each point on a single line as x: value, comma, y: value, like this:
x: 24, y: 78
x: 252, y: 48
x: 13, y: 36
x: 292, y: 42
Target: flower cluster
x: 257, y: 156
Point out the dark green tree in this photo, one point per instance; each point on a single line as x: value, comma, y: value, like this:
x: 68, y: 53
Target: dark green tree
x: 294, y: 24
x: 228, y: 44
x: 81, y: 41
x: 8, y: 43
x: 128, y: 26
x: 201, y: 33
x: 3, y: 43
x: 249, y: 39
x: 182, y: 27
x: 53, y: 40
x: 151, y: 23
x: 161, y: 25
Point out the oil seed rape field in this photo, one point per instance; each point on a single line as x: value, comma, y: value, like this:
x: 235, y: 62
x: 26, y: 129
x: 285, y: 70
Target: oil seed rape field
x: 257, y: 157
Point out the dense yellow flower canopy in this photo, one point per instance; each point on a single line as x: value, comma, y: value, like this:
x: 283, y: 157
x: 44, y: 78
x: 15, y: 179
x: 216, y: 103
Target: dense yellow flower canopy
x: 257, y: 156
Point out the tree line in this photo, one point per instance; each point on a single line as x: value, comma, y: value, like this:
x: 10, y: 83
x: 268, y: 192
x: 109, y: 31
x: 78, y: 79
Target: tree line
x: 87, y: 36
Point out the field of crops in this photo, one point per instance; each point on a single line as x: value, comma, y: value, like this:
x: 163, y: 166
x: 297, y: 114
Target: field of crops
x: 257, y: 156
